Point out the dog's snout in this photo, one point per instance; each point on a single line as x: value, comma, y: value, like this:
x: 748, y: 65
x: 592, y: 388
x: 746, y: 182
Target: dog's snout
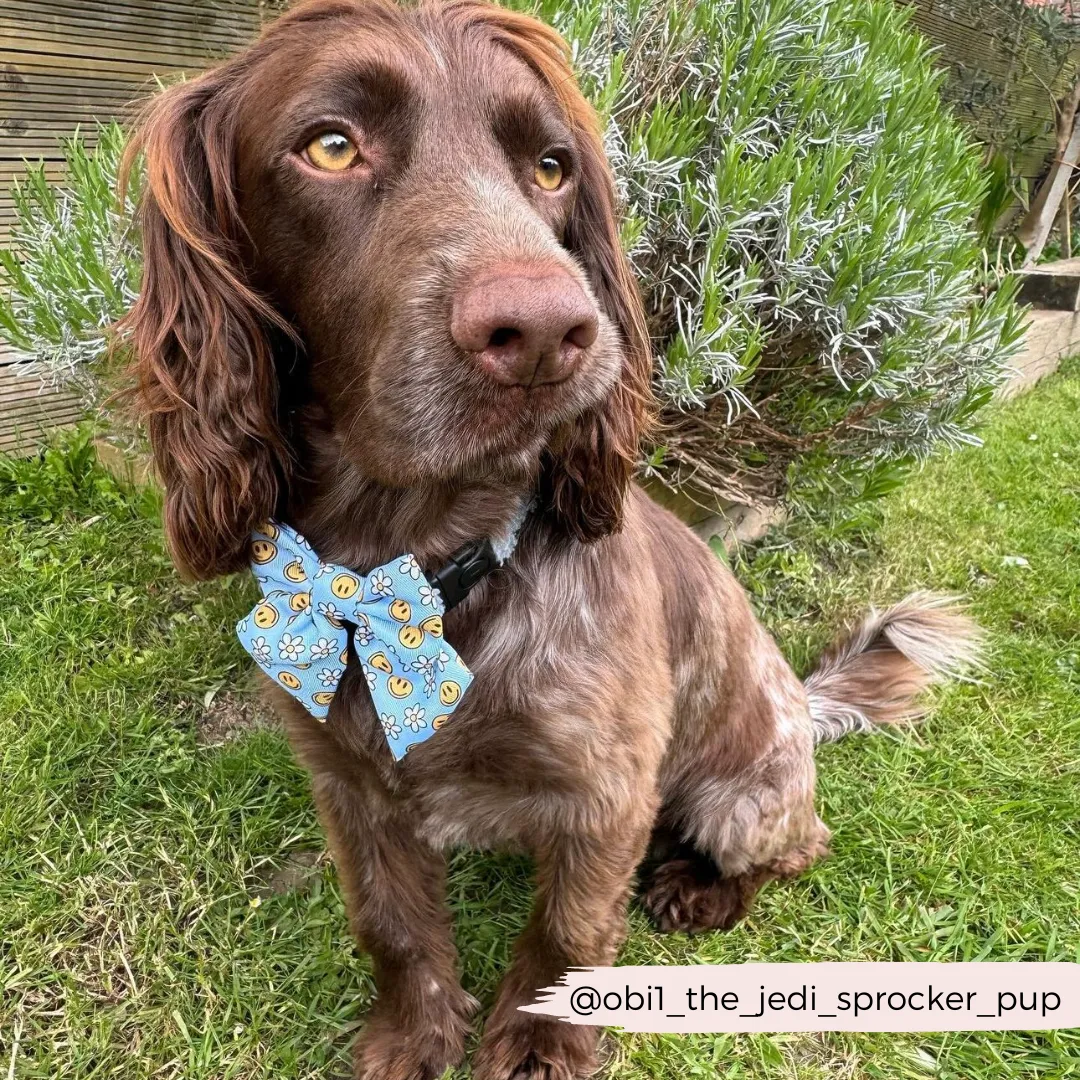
x: 526, y: 326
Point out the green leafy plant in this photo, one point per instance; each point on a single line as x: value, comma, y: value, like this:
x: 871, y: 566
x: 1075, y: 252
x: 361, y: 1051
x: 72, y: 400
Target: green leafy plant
x: 799, y: 208
x: 70, y: 266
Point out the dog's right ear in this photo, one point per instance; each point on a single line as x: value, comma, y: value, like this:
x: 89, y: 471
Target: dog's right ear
x: 205, y: 378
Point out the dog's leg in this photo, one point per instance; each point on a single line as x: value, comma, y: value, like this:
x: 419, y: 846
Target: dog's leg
x: 738, y: 801
x: 688, y: 892
x: 395, y: 894
x: 579, y: 918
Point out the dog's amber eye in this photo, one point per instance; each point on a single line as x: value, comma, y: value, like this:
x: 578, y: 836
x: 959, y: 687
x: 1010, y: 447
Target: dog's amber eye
x: 331, y: 151
x: 549, y: 173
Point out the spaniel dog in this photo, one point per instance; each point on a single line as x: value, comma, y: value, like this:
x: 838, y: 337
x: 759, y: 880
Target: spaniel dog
x: 385, y: 303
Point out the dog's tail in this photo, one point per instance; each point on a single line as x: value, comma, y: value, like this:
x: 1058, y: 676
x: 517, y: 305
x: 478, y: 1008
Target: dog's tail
x: 875, y: 674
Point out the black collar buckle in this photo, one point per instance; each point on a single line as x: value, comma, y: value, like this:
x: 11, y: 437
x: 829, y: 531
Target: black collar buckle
x: 466, y: 569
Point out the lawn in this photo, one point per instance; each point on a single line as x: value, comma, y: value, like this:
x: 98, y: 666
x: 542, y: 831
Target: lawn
x: 148, y: 928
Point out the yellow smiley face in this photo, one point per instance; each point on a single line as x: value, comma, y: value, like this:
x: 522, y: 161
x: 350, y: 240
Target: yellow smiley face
x: 265, y: 616
x: 400, y: 610
x: 449, y: 692
x: 269, y: 530
x: 344, y: 586
x: 323, y: 697
x: 410, y: 636
x: 380, y: 663
x: 262, y: 551
x: 439, y: 721
x: 300, y: 601
x: 287, y: 678
x: 398, y: 686
x: 294, y: 571
x: 432, y: 625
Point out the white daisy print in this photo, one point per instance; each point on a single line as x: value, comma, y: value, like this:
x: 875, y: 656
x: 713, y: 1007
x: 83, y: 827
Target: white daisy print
x: 322, y: 649
x: 426, y: 665
x: 410, y: 566
x: 370, y: 676
x: 364, y: 635
x: 330, y: 676
x: 390, y: 726
x: 260, y: 649
x: 414, y: 718
x: 324, y: 568
x: 381, y: 583
x: 331, y: 612
x: 428, y: 596
x: 291, y: 647
x: 442, y: 660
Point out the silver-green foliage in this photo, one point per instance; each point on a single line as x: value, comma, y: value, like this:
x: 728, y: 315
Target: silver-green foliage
x: 798, y: 206
x: 70, y: 266
x: 799, y: 209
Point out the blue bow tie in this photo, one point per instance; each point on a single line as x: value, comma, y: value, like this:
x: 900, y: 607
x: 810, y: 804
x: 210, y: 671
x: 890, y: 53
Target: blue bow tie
x: 298, y: 636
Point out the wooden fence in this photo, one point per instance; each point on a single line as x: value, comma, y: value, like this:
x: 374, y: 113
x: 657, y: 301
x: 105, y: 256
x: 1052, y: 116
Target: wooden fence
x: 65, y: 64
x: 1002, y: 76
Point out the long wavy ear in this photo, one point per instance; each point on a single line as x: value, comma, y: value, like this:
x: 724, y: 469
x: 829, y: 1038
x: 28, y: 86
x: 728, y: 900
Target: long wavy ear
x: 203, y: 367
x: 590, y: 462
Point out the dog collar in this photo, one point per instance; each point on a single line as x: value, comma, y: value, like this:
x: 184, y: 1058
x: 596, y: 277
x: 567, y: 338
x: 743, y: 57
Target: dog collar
x: 299, y: 633
x: 469, y: 565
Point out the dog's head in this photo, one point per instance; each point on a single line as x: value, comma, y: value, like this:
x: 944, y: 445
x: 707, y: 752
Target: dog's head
x: 419, y: 201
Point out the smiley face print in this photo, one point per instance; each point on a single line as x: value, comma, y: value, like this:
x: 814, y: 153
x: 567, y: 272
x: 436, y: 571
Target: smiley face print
x: 262, y: 552
x: 294, y: 571
x: 265, y: 616
x: 344, y: 586
x: 380, y: 663
x: 316, y: 618
x: 399, y: 687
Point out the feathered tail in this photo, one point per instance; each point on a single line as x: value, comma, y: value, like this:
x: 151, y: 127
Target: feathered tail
x: 875, y: 674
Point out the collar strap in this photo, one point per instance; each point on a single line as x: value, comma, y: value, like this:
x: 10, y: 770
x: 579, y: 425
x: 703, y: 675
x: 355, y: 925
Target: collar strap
x: 469, y: 565
x: 466, y: 568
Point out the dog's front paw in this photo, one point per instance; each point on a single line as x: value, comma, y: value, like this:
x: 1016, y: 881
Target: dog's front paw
x: 390, y: 1049
x: 527, y: 1047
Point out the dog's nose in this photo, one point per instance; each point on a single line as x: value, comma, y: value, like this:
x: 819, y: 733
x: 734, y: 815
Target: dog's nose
x: 526, y: 326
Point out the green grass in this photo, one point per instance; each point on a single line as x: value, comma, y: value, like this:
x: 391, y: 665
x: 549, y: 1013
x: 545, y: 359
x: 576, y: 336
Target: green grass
x: 132, y: 942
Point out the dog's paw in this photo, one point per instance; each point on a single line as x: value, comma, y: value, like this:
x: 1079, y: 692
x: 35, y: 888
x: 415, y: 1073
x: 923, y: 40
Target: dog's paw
x: 691, y: 896
x: 528, y: 1047
x: 422, y: 1050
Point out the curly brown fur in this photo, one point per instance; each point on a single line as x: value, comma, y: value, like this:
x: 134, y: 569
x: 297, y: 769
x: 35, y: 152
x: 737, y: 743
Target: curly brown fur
x: 296, y: 357
x: 877, y: 673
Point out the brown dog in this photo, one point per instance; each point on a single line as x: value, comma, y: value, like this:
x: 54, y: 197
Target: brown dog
x: 384, y: 301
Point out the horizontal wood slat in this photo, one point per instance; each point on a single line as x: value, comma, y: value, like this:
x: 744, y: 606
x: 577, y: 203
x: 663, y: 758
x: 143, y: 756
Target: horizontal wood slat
x: 1011, y: 77
x: 29, y: 409
x: 66, y: 65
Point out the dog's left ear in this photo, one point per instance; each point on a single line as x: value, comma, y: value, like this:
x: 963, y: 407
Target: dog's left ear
x: 590, y: 461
